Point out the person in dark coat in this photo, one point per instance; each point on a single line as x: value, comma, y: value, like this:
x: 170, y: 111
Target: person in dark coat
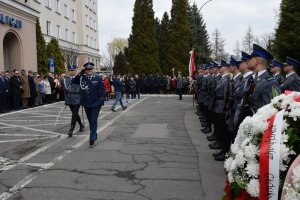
x: 32, y: 88
x: 92, y: 96
x: 16, y: 89
x: 179, y: 85
x: 2, y: 92
x: 132, y: 87
x: 72, y: 99
x: 292, y: 81
x: 8, y: 100
x: 139, y: 85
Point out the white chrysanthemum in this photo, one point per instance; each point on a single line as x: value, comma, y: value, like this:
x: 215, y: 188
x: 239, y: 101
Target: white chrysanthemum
x: 251, y: 151
x: 266, y: 112
x: 227, y: 163
x: 252, y: 168
x: 284, y: 138
x: 285, y: 152
x: 246, y: 142
x: 240, y: 159
x: 235, y: 147
x: 253, y: 187
x: 287, y: 101
x: 233, y: 165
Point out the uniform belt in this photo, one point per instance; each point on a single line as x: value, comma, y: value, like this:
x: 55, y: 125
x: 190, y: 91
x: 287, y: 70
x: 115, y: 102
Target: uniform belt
x: 219, y: 98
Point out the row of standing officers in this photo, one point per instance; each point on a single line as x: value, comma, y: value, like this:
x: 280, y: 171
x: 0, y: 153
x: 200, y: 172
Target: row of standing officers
x: 229, y: 92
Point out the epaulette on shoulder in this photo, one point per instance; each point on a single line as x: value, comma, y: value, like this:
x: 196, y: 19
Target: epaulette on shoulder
x: 270, y: 79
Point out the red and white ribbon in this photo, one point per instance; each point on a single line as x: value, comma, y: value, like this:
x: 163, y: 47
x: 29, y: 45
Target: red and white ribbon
x: 269, y: 158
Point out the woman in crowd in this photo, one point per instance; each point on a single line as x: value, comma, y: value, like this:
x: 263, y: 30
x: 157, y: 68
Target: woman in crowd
x: 48, y: 94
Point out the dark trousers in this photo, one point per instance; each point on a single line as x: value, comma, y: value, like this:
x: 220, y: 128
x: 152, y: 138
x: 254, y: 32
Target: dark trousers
x: 179, y: 90
x: 222, y: 133
x: 206, y: 116
x: 8, y: 102
x: 138, y: 91
x: 16, y: 101
x: 92, y: 115
x: 31, y: 102
x: 2, y: 101
x: 75, y: 116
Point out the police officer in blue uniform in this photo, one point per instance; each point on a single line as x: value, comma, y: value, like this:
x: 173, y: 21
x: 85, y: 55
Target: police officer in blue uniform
x: 276, y: 68
x: 266, y: 87
x: 223, y: 139
x: 92, y: 96
x: 234, y: 89
x: 292, y: 81
x: 240, y: 93
x: 72, y: 98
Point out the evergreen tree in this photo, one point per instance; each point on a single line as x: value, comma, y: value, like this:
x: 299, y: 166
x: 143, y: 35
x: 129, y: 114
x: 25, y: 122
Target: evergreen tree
x: 199, y: 38
x: 164, y: 45
x: 179, y: 36
x: 143, y: 49
x: 287, y: 38
x: 42, y: 61
x: 120, y: 66
x: 53, y: 51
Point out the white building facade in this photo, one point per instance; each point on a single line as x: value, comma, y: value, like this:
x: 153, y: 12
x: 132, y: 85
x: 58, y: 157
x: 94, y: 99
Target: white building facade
x: 74, y: 23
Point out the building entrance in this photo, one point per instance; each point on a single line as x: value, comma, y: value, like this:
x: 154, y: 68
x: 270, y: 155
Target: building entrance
x: 11, y: 52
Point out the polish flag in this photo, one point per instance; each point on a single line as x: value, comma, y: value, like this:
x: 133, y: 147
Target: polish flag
x: 192, y: 66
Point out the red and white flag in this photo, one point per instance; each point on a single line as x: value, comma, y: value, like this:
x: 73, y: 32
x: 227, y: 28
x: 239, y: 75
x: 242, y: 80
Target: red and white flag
x: 192, y: 66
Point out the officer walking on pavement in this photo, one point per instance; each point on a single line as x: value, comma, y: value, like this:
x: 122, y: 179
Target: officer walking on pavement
x: 92, y: 96
x: 72, y: 99
x: 292, y: 81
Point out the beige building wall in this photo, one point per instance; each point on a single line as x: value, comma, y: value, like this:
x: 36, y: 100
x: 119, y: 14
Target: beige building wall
x: 74, y: 23
x: 18, y: 45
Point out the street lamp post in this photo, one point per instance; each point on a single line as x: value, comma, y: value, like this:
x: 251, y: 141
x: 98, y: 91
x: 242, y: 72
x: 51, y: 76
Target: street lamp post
x: 204, y: 5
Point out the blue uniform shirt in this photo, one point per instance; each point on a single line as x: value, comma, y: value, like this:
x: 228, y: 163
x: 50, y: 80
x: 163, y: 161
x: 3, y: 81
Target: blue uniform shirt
x: 92, y: 90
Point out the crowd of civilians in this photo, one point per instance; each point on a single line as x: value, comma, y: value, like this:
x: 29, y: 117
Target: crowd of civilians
x: 21, y: 90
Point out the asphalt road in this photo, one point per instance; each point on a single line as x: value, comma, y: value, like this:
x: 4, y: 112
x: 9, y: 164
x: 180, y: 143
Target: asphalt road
x: 153, y: 150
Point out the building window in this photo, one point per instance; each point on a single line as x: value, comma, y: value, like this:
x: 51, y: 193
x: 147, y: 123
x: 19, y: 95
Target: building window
x: 95, y: 43
x: 66, y: 10
x: 73, y: 15
x: 91, y: 22
x: 87, y: 20
x: 48, y: 24
x: 57, y: 6
x: 94, y: 8
x: 74, y: 37
x: 67, y: 34
x: 90, y: 3
x: 58, y: 31
x: 48, y: 3
x: 87, y: 40
x: 91, y: 42
x: 95, y: 25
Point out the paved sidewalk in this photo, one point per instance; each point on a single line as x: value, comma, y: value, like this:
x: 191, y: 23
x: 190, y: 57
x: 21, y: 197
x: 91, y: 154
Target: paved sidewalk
x: 154, y: 150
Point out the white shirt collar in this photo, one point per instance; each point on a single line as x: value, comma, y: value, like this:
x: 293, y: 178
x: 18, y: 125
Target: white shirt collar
x: 224, y: 75
x: 261, y: 72
x: 290, y: 74
x: 276, y: 74
x: 235, y: 76
x: 247, y: 74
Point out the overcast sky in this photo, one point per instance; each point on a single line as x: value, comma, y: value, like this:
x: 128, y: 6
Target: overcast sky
x: 231, y: 17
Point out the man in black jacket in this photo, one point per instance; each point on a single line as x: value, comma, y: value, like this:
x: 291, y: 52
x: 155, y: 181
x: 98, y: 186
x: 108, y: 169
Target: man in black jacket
x: 16, y: 89
x: 32, y: 88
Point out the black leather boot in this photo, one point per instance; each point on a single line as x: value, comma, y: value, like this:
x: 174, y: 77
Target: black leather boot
x: 70, y: 133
